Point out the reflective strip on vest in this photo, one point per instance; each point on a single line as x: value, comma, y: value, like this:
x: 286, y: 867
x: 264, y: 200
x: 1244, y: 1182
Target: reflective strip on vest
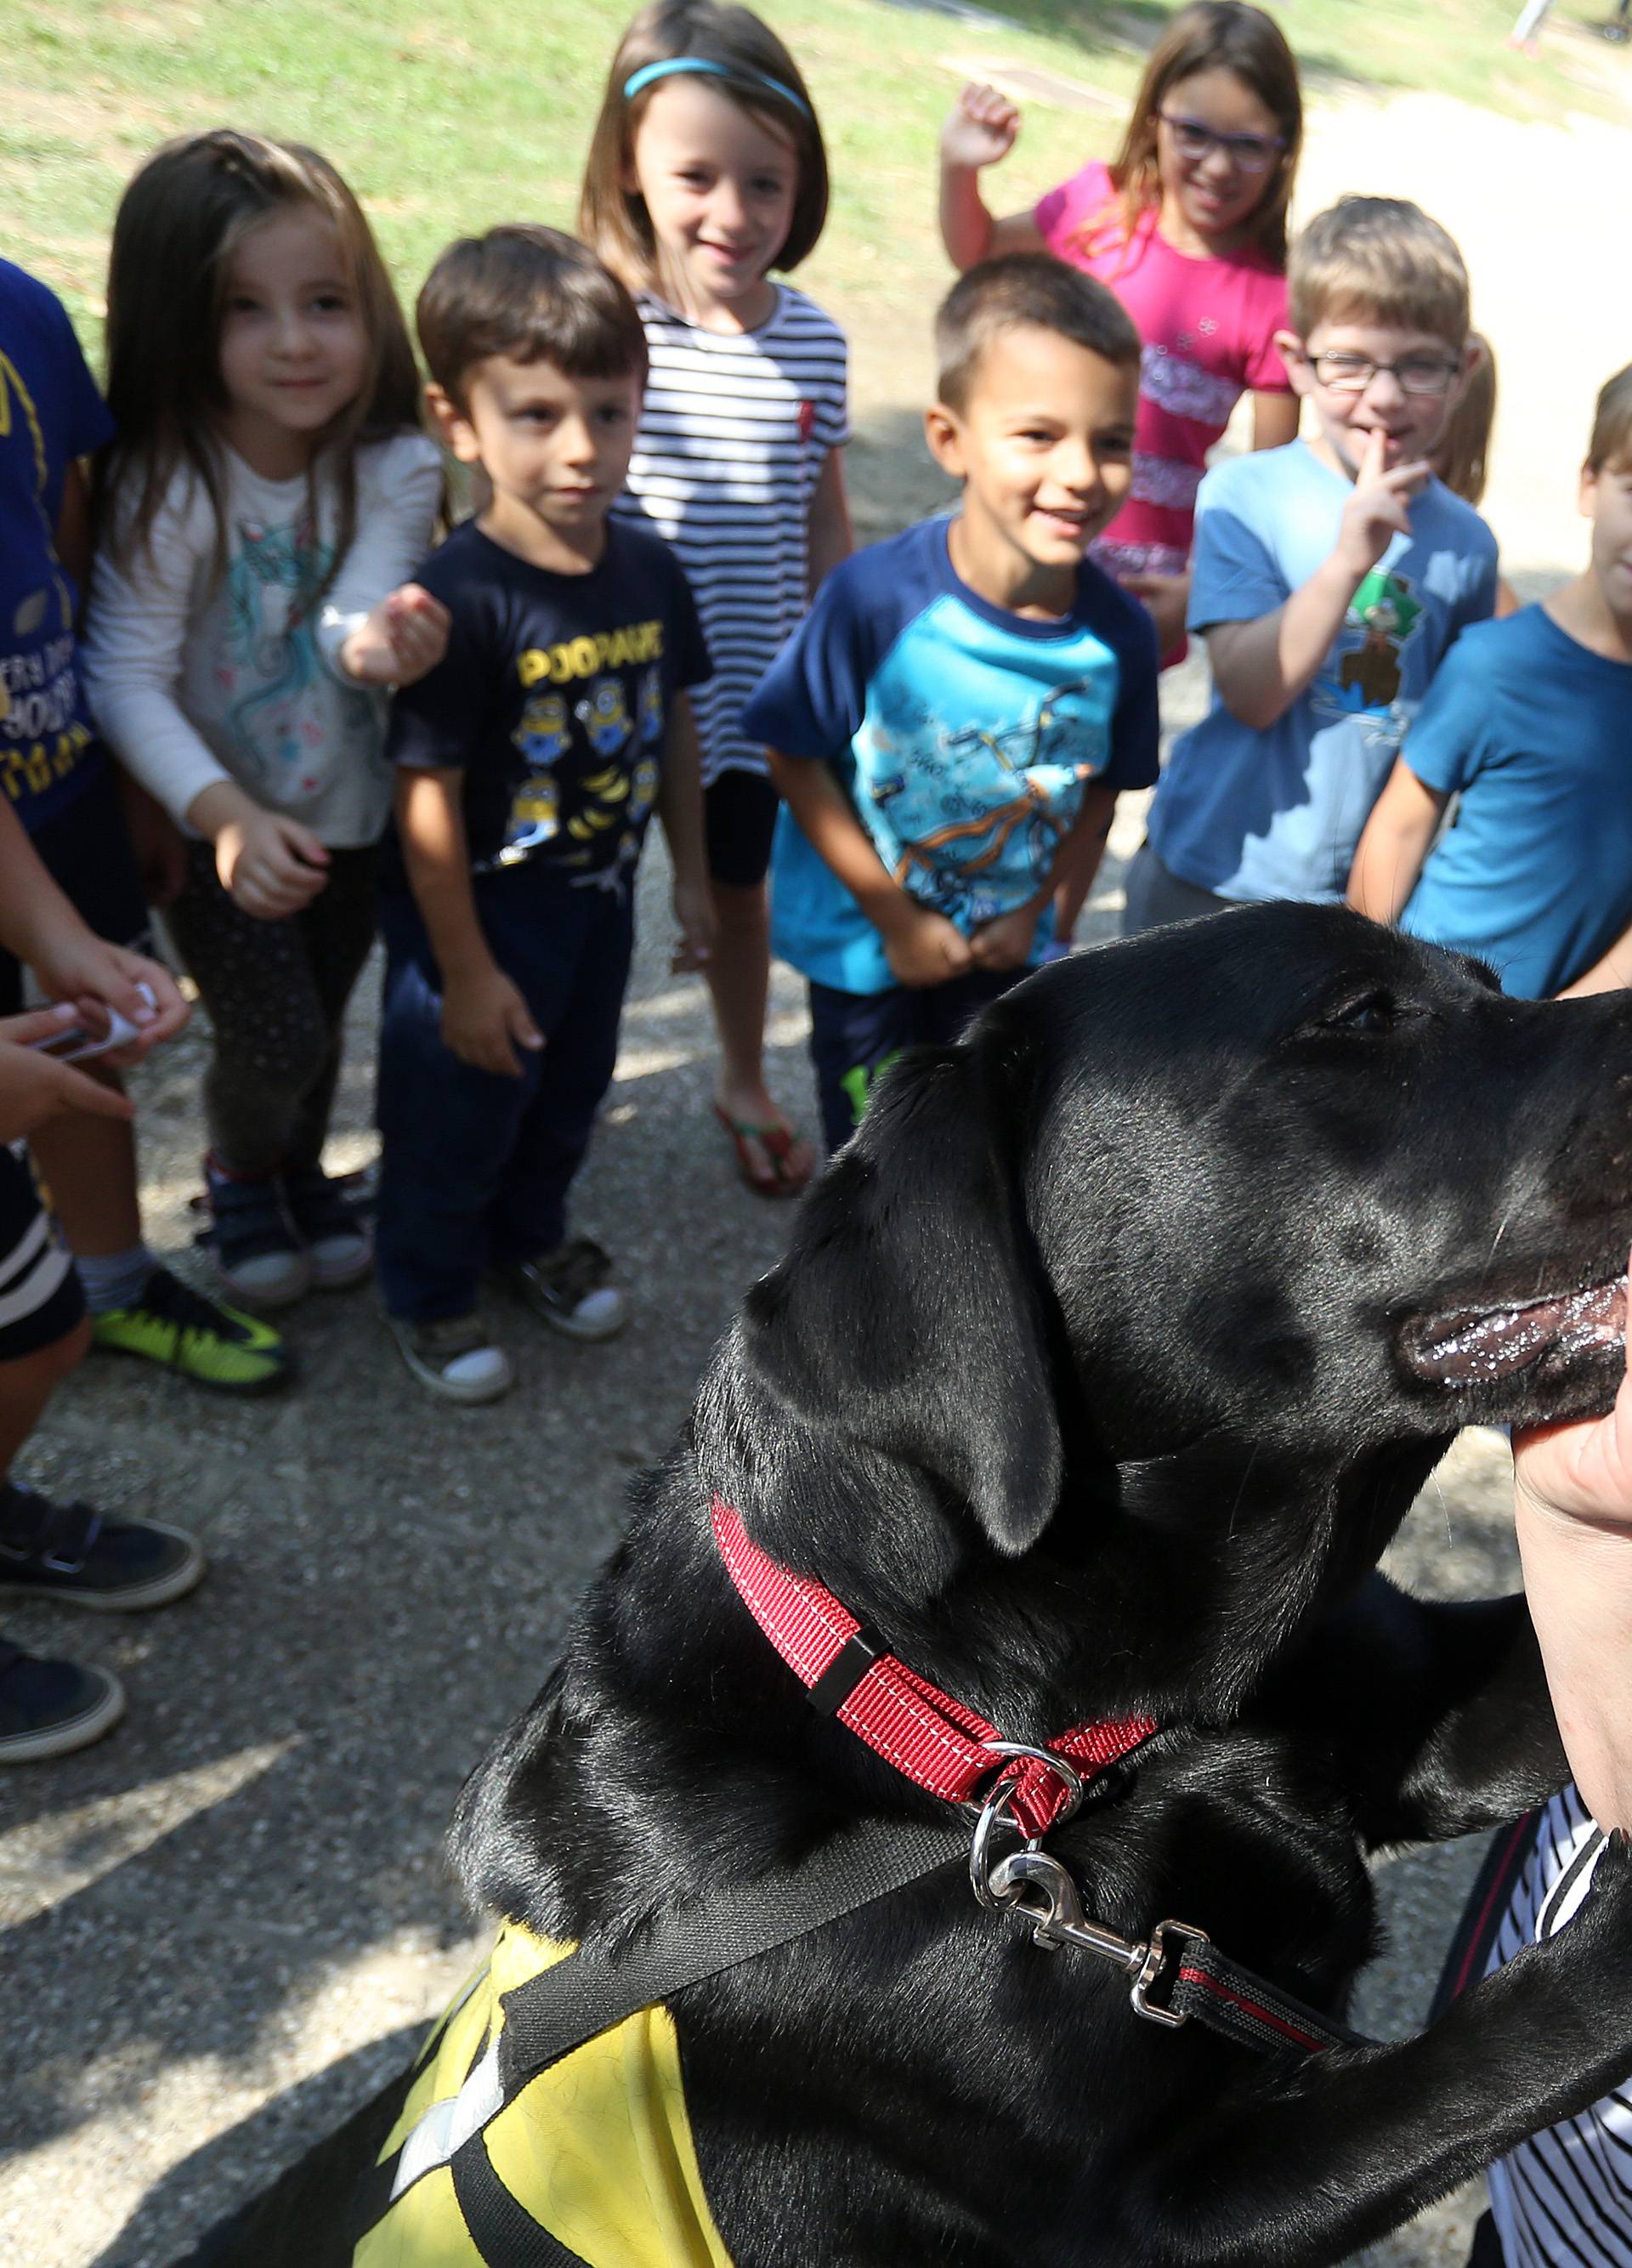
x: 598, y: 2149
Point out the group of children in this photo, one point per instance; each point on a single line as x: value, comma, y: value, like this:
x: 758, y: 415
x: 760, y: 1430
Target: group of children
x: 327, y: 725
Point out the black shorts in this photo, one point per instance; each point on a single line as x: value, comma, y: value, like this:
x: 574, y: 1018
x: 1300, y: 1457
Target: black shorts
x: 41, y: 1300
x: 738, y: 819
x: 86, y: 851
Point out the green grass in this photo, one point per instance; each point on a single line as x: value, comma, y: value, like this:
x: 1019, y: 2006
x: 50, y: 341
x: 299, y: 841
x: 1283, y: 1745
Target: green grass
x: 445, y: 129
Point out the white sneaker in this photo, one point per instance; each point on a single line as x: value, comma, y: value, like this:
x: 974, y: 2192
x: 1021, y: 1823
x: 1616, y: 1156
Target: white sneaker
x: 454, y: 1356
x: 567, y: 1289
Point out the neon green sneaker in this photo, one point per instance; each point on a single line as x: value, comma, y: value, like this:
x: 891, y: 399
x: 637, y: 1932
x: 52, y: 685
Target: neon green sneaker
x: 172, y: 1324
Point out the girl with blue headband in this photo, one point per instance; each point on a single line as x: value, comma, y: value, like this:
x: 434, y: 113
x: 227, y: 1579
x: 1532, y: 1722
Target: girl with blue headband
x: 707, y: 173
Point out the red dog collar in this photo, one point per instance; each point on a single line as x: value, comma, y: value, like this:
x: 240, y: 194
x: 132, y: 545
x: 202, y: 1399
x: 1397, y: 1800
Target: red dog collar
x: 851, y: 1675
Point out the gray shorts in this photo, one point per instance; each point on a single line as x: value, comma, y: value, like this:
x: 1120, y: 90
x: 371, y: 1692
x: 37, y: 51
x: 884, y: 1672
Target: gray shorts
x: 1154, y: 897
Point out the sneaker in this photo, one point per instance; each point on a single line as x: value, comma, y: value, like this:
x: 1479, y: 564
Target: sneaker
x: 339, y: 1242
x: 258, y: 1253
x: 50, y: 1708
x: 454, y: 1356
x: 567, y: 1289
x: 68, y: 1552
x: 172, y: 1324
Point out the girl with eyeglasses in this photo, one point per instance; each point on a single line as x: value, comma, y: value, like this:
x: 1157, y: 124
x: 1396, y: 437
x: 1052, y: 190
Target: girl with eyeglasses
x: 1187, y: 225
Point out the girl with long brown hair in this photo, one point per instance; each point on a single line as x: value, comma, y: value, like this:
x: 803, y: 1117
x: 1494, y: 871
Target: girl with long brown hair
x: 266, y: 499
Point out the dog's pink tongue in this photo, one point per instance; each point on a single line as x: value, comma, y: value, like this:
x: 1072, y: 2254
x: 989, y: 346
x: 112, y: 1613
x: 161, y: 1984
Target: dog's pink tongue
x: 1467, y: 1349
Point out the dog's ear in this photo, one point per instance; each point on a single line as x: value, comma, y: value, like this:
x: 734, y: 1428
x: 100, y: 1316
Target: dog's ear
x: 905, y: 1313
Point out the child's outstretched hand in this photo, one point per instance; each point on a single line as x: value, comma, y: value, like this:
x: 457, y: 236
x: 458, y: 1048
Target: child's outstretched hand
x: 34, y: 1087
x: 694, y: 914
x: 272, y: 865
x: 1379, y: 508
x: 925, y: 948
x: 981, y: 128
x: 485, y: 1020
x: 405, y: 636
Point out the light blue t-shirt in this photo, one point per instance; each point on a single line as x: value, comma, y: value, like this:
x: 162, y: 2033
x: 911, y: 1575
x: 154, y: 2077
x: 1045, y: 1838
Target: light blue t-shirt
x: 1534, y: 733
x: 963, y: 734
x: 1278, y: 813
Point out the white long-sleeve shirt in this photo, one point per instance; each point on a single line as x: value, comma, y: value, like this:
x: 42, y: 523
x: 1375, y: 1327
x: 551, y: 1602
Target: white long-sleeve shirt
x: 194, y: 677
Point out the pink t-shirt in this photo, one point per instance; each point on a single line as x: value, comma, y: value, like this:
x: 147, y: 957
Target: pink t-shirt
x: 1209, y: 329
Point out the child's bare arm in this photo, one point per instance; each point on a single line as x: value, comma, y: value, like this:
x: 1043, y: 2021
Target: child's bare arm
x: 1608, y: 973
x: 1393, y: 844
x: 680, y: 812
x: 832, y: 538
x: 981, y: 131
x: 1262, y: 667
x: 484, y: 1018
x: 922, y: 946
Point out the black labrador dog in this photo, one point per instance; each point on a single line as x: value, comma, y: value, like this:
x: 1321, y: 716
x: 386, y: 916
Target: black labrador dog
x: 1104, y: 1363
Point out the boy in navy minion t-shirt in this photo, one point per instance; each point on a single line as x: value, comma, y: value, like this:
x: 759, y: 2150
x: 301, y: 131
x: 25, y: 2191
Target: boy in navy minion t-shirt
x: 951, y: 725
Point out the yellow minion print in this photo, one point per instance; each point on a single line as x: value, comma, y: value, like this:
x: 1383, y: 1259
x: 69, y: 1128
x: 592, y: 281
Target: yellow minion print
x: 604, y: 714
x: 544, y: 734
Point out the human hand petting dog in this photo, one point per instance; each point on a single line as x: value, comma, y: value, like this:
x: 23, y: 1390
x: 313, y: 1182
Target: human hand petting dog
x: 1572, y: 1504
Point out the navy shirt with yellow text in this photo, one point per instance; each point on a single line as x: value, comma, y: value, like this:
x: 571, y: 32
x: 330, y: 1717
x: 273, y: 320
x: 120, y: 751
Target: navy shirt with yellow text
x: 552, y: 699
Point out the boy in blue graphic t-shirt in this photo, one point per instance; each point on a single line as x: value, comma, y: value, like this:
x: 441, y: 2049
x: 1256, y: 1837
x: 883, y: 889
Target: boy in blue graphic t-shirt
x: 1529, y: 724
x: 951, y: 726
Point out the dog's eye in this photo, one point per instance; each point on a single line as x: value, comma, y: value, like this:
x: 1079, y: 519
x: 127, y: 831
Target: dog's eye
x: 1374, y: 1012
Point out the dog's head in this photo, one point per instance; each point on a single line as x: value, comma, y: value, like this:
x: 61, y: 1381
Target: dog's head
x: 1279, y: 1194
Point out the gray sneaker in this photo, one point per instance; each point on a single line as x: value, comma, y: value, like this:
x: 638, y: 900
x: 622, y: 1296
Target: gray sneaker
x: 454, y: 1356
x: 567, y: 1289
x: 49, y: 1708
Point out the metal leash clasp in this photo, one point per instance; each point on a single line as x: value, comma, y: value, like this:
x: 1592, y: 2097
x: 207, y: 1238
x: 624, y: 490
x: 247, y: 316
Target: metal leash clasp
x: 1036, y: 1885
x: 996, y: 1810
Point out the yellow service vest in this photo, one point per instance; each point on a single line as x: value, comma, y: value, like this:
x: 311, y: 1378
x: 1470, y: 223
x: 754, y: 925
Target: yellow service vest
x: 598, y: 2149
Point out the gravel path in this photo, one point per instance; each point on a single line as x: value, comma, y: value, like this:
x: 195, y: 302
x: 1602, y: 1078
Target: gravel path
x: 227, y: 1923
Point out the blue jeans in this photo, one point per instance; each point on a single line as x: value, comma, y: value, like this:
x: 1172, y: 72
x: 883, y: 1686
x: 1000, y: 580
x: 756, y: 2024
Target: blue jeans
x: 855, y: 1036
x: 475, y: 1168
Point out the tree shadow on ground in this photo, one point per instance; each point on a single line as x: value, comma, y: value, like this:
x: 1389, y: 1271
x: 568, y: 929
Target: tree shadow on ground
x: 1136, y: 24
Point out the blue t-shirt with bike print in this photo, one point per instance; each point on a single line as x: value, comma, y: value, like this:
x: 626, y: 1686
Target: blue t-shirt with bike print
x: 964, y: 736
x: 50, y: 414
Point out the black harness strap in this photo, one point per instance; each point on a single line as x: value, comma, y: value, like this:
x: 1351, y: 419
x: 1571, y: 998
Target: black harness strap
x: 580, y: 1998
x: 504, y: 2232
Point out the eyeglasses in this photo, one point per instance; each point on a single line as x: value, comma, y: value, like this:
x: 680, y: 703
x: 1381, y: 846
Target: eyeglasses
x: 1248, y: 153
x: 1425, y: 376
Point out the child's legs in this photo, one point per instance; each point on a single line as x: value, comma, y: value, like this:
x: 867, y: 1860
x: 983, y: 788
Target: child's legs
x: 272, y: 1039
x: 43, y: 1328
x: 580, y: 1054
x: 946, y: 1011
x: 337, y: 930
x: 854, y: 1037
x: 739, y: 820
x: 447, y: 1132
x: 89, y: 1165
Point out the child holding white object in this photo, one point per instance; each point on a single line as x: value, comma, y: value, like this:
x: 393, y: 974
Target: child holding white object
x: 706, y: 173
x: 268, y: 496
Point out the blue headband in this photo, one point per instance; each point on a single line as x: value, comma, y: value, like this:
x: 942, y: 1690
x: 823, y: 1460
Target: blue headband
x: 670, y: 65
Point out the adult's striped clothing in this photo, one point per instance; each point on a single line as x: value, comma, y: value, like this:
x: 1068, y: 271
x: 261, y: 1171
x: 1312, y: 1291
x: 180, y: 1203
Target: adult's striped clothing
x: 1563, y: 2200
x: 735, y: 432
